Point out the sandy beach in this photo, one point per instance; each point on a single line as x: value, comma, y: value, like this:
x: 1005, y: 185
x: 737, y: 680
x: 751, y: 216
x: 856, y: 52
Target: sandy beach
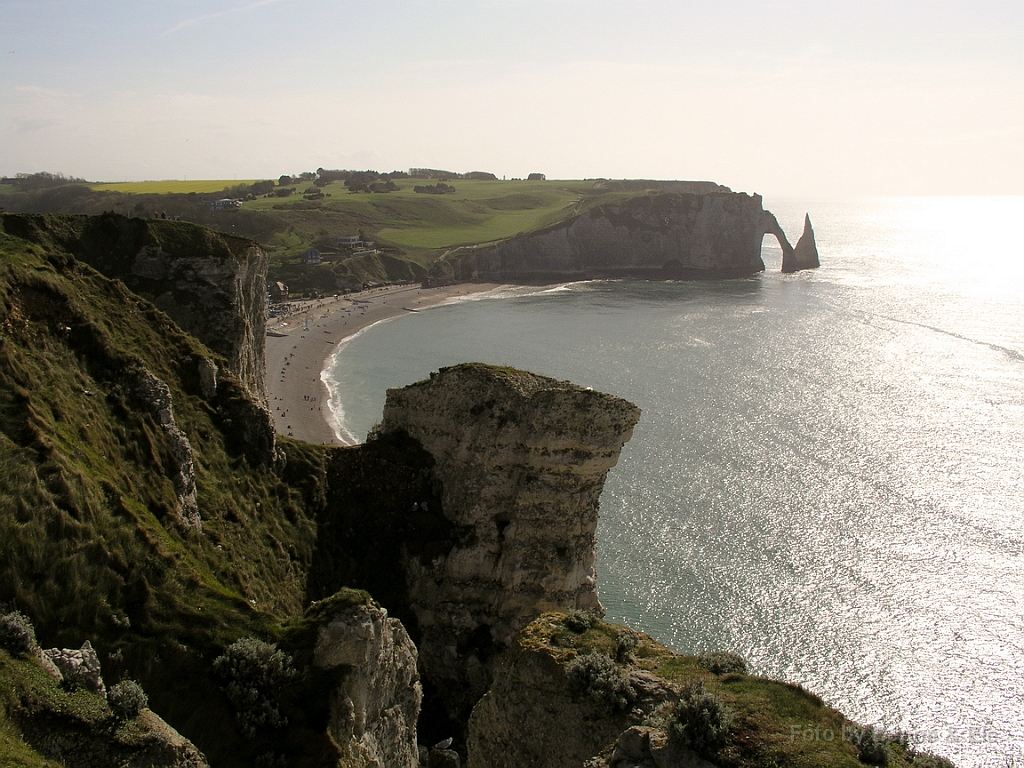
x: 296, y: 355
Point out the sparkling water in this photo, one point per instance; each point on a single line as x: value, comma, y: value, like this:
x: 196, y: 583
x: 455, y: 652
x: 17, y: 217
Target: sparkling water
x: 828, y: 476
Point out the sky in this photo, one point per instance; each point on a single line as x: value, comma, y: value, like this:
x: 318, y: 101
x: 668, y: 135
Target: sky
x: 824, y: 99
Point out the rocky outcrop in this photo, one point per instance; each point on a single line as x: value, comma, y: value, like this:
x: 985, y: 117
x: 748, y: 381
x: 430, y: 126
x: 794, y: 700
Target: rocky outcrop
x: 805, y: 255
x: 373, y: 712
x: 661, y: 235
x: 82, y: 730
x: 78, y: 667
x: 532, y: 715
x: 519, y: 464
x: 155, y: 397
x: 212, y: 285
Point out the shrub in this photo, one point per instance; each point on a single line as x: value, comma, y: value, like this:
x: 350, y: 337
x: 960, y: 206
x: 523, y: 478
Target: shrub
x: 925, y: 760
x: 579, y: 621
x: 701, y: 720
x: 596, y: 675
x: 256, y: 673
x: 17, y: 635
x: 872, y: 745
x: 625, y: 643
x: 127, y: 699
x: 722, y: 662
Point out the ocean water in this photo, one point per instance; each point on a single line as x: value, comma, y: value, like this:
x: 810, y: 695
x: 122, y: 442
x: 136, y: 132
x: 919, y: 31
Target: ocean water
x: 828, y: 476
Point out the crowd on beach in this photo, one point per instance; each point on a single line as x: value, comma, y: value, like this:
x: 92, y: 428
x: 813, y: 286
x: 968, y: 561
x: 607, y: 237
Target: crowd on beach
x: 299, y: 306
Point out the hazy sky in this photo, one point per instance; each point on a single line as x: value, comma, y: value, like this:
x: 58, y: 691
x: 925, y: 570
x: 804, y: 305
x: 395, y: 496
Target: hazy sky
x: 796, y: 98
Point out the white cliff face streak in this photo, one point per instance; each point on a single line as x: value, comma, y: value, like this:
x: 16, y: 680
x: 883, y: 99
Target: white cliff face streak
x: 374, y: 711
x: 520, y: 462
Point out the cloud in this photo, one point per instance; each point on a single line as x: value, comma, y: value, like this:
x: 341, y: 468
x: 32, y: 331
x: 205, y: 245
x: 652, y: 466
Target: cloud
x: 207, y: 17
x: 30, y: 125
x: 35, y: 90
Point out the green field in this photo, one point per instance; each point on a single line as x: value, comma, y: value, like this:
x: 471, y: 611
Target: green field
x: 477, y: 212
x: 172, y: 187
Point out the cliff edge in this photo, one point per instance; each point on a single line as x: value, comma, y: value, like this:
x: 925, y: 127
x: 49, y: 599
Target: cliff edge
x: 658, y: 235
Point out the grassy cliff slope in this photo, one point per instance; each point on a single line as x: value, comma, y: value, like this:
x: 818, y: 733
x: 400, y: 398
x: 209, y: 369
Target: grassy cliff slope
x: 91, y: 544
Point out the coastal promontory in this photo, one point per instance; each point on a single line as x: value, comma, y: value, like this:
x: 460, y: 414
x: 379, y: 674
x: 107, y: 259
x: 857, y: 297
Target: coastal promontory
x: 658, y: 235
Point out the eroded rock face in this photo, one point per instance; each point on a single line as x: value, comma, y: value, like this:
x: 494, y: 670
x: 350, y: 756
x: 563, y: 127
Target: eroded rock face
x: 374, y: 711
x: 520, y: 461
x: 673, y: 235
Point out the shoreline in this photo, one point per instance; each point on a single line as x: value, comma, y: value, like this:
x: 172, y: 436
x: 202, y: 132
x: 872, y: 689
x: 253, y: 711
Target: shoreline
x: 296, y: 356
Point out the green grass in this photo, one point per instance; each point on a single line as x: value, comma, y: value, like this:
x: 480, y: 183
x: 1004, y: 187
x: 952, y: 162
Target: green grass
x: 477, y: 212
x: 170, y: 187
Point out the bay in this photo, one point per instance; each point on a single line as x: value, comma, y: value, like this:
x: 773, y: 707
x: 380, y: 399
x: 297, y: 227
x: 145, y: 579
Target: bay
x: 828, y: 476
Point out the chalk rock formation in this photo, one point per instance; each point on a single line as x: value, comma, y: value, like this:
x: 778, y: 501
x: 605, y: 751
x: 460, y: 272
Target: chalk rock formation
x: 373, y: 713
x: 155, y: 396
x: 79, y: 667
x: 805, y: 255
x: 671, y: 235
x: 520, y: 461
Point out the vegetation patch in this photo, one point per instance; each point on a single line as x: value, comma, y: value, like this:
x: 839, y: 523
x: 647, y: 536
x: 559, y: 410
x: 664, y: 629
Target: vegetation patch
x: 723, y: 663
x: 597, y: 676
x: 127, y: 699
x: 256, y: 672
x: 700, y: 720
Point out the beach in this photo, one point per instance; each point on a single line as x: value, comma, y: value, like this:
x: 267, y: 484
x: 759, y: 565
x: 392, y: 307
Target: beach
x: 299, y: 345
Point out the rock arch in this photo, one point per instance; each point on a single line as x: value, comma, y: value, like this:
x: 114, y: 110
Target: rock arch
x: 804, y: 256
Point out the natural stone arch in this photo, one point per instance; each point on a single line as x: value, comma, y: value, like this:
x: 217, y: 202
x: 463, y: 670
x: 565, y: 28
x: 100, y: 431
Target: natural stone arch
x: 771, y: 227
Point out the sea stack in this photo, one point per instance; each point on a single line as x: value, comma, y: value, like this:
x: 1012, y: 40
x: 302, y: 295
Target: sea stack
x: 805, y: 255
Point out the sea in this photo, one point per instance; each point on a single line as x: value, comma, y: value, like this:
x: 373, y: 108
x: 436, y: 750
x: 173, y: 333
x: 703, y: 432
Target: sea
x: 828, y: 476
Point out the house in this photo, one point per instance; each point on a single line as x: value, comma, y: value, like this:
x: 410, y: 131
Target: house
x: 349, y: 241
x: 226, y: 204
x: 278, y: 292
x: 312, y: 256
